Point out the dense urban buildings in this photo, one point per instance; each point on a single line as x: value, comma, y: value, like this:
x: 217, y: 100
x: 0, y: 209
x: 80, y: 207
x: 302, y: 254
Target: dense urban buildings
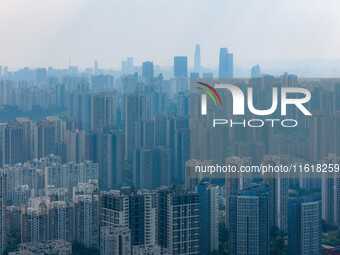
x: 107, y: 160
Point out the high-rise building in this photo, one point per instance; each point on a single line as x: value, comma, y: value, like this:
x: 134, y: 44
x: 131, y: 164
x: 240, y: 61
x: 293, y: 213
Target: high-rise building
x: 144, y: 133
x: 337, y: 97
x: 114, y: 209
x: 135, y: 111
x: 178, y: 220
x: 334, y: 132
x: 6, y: 89
x: 317, y: 136
x: 33, y: 224
x: 86, y: 209
x: 115, y: 241
x: 180, y: 66
x: 157, y: 103
x: 102, y: 112
x: 60, y: 221
x: 130, y: 67
x: 85, y: 116
x: 13, y: 219
x: 304, y: 226
x: 147, y: 70
x: 256, y: 71
x: 5, y: 73
x: 75, y: 146
x: 226, y: 64
x: 330, y: 191
x: 197, y: 59
x: 59, y: 124
x: 2, y: 126
x: 28, y: 142
x: 21, y: 196
x: 2, y: 212
x: 151, y: 167
x: 208, y: 210
x: 133, y: 210
x: 278, y: 192
x: 249, y: 221
x: 14, y: 146
x: 45, y: 138
x: 41, y: 75
x: 181, y: 153
x: 235, y: 181
x: 111, y: 159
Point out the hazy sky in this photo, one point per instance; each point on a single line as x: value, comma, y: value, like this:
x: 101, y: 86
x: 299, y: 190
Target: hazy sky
x: 46, y: 32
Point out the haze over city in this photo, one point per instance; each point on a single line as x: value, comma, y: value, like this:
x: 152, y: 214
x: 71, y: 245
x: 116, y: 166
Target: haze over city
x: 52, y: 33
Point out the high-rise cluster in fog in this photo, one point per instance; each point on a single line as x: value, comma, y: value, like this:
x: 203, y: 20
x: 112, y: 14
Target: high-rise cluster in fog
x: 105, y: 158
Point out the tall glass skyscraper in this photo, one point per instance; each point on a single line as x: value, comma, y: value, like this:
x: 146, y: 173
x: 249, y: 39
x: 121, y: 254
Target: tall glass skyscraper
x: 226, y: 64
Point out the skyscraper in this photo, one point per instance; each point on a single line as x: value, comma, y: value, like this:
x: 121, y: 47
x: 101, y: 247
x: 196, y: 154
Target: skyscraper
x: 135, y: 111
x: 226, y: 65
x: 178, y: 220
x: 111, y: 159
x: 14, y: 148
x: 45, y: 138
x: 2, y: 126
x: 278, y: 192
x: 75, y: 146
x: 181, y: 67
x: 102, y: 112
x: 181, y: 153
x: 337, y: 96
x: 330, y: 190
x: 151, y: 167
x: 2, y: 212
x: 208, y: 210
x: 86, y: 209
x: 304, y: 226
x: 318, y: 143
x: 197, y: 63
x: 235, y: 181
x: 33, y: 224
x: 256, y: 71
x: 249, y: 221
x: 60, y: 221
x: 133, y: 210
x: 147, y: 70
